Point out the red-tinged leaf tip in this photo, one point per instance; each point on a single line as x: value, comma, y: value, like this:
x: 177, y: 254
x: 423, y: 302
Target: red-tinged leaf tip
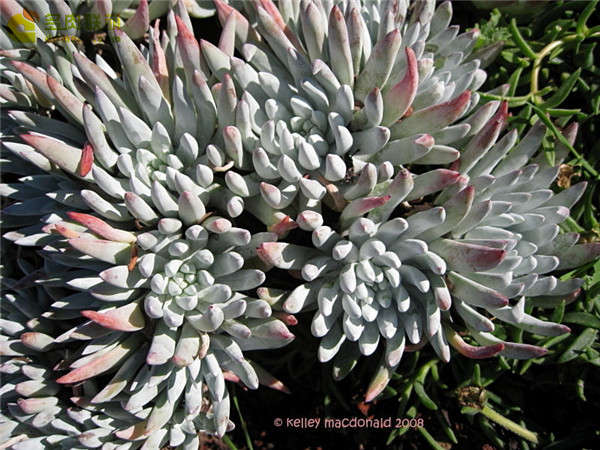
x: 31, y: 139
x: 66, y: 231
x: 120, y: 33
x: 336, y: 13
x: 571, y: 297
x: 116, y: 320
x: 87, y: 160
x: 270, y: 252
x: 411, y: 60
x: 378, y: 384
x: 263, y: 252
x: 451, y: 176
x: 180, y: 362
x: 273, y: 11
x: 479, y: 352
x: 378, y: 201
x: 426, y: 141
x: 406, y: 89
x: 283, y: 226
x: 19, y: 64
x: 154, y: 358
x: 28, y: 406
x: 133, y: 259
x: 228, y: 84
x: 101, y: 228
x: 230, y: 376
x: 460, y: 102
x: 267, y: 379
x: 223, y: 10
x: 82, y: 218
x: 52, y: 83
x: 565, y: 329
x: 268, y: 188
x: 80, y: 374
x: 288, y: 319
x: 230, y: 132
x: 471, y: 351
x: 284, y: 333
x: 29, y: 337
x: 503, y: 111
x: 184, y: 32
x: 278, y: 386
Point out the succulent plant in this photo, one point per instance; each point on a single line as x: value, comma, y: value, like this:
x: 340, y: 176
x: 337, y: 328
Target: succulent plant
x: 170, y: 187
x: 419, y: 267
x: 155, y: 261
x: 325, y: 87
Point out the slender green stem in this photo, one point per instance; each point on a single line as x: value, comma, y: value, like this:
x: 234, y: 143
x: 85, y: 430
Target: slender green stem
x: 229, y: 443
x: 509, y: 424
x: 521, y: 43
x: 584, y: 163
x: 430, y: 439
x: 420, y: 377
x: 242, y: 422
x: 584, y: 16
x: 537, y: 65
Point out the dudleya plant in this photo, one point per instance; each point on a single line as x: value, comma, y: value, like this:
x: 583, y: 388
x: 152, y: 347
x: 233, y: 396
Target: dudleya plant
x: 327, y: 84
x: 155, y: 261
x: 355, y: 123
x: 406, y: 267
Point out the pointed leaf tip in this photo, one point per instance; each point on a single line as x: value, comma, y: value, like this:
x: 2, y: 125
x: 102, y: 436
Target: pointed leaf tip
x: 127, y: 318
x: 101, y: 228
x: 87, y: 159
x: 468, y: 350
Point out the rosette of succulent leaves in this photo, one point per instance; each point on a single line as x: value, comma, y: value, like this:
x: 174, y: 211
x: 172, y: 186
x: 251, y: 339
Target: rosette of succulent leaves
x: 36, y: 411
x: 326, y: 85
x: 363, y: 91
x: 329, y: 119
x: 129, y: 212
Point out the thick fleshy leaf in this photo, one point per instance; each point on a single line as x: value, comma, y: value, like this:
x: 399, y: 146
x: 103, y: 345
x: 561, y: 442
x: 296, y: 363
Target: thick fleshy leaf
x: 104, y: 362
x: 578, y: 255
x: 470, y: 351
x: 285, y: 256
x: 433, y: 118
x: 339, y: 47
x: 463, y: 257
x: 113, y: 252
x: 60, y: 153
x: 125, y: 318
x: 101, y: 228
x: 398, y: 99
